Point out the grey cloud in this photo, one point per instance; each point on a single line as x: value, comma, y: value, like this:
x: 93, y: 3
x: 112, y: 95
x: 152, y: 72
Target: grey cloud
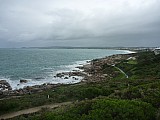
x: 79, y: 23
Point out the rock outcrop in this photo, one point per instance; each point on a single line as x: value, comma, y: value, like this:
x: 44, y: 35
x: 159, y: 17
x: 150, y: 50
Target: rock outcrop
x: 4, y: 85
x: 23, y: 81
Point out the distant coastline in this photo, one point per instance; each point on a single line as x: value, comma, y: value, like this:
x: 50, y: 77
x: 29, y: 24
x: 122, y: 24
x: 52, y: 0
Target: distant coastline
x: 71, y: 47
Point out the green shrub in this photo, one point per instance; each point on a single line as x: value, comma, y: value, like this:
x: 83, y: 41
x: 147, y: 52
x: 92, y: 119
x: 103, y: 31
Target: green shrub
x: 149, y: 92
x: 105, y: 109
x: 7, y: 106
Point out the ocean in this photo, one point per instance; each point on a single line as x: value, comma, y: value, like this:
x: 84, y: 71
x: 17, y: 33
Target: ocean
x: 39, y: 66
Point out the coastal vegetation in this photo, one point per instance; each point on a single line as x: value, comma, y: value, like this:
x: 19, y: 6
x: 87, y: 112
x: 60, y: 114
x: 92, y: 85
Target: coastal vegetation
x: 99, y: 109
x: 115, y: 97
x: 146, y: 66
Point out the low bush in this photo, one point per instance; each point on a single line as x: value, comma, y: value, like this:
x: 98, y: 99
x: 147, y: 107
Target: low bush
x: 102, y: 109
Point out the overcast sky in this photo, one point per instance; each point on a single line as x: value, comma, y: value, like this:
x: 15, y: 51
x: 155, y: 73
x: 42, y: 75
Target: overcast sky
x: 99, y: 23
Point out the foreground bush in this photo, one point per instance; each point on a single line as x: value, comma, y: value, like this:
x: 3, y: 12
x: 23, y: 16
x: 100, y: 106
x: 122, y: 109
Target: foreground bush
x: 103, y: 109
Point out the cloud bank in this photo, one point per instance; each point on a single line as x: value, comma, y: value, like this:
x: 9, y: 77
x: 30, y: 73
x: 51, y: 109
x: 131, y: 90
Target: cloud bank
x: 79, y: 23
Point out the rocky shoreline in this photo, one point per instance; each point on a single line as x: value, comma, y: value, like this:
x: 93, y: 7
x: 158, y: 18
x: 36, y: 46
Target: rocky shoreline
x: 91, y: 72
x: 94, y: 69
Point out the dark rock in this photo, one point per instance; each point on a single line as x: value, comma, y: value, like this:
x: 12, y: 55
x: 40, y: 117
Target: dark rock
x: 66, y: 78
x: 88, y: 61
x: 3, y: 81
x: 23, y: 81
x: 80, y: 67
x: 4, y: 85
x: 59, y: 75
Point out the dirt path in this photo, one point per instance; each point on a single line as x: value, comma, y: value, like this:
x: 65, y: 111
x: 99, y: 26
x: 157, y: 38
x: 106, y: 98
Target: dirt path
x: 121, y: 71
x: 32, y: 110
x: 11, y: 97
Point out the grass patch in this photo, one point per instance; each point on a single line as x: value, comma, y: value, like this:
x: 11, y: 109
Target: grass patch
x: 132, y: 62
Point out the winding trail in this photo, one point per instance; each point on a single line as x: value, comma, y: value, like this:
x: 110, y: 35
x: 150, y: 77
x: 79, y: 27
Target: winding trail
x: 121, y: 71
x: 32, y: 110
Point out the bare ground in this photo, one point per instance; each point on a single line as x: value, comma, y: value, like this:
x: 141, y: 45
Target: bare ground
x: 32, y: 110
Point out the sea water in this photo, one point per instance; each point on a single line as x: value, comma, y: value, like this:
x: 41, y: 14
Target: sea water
x: 39, y: 66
